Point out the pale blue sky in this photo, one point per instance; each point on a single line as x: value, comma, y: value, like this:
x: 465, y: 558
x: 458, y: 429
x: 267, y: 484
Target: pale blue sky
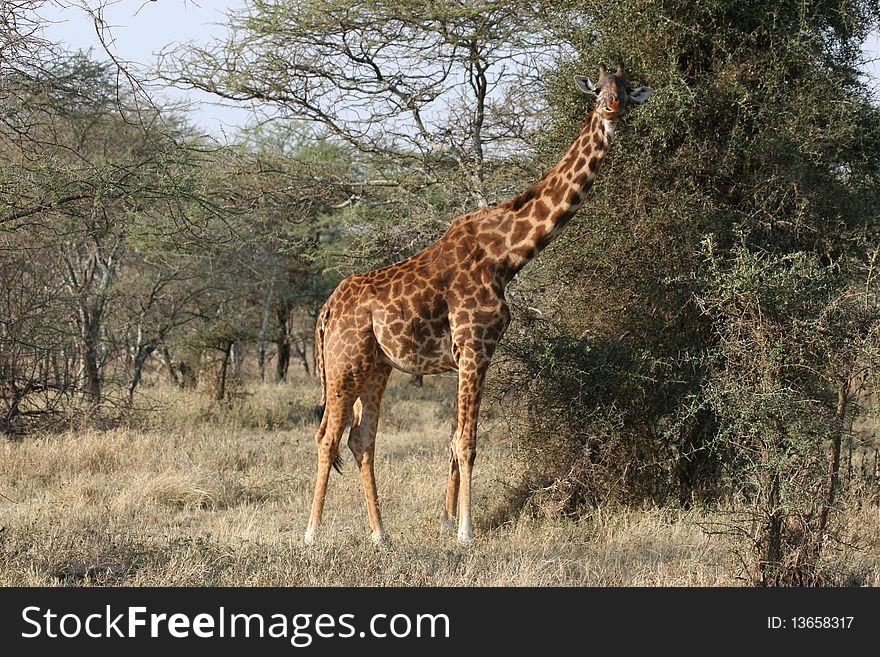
x: 141, y: 28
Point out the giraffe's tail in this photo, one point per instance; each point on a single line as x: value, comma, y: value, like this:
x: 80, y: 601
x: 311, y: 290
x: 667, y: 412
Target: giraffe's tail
x: 320, y: 327
x: 320, y: 409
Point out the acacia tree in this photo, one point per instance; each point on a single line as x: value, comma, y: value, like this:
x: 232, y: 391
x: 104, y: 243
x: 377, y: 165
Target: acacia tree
x: 51, y: 172
x: 35, y: 377
x: 298, y: 182
x: 794, y: 342
x: 148, y: 237
x: 429, y: 97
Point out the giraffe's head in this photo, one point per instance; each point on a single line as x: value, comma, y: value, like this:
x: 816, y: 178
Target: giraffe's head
x: 614, y: 93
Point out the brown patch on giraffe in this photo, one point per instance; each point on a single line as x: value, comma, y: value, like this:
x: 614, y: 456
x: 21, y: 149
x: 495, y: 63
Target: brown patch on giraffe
x: 463, y: 251
x: 544, y: 240
x: 494, y: 243
x: 460, y: 286
x: 461, y: 316
x: 484, y: 316
x: 522, y: 199
x: 529, y: 253
x: 520, y: 231
x: 494, y: 332
x: 475, y: 276
x: 555, y: 189
x: 439, y: 311
x: 409, y: 345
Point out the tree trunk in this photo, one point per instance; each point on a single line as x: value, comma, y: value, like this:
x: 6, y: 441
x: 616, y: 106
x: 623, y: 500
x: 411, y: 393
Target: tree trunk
x: 220, y: 393
x: 235, y: 354
x: 301, y: 349
x: 56, y: 371
x: 264, y: 326
x: 90, y: 381
x: 69, y: 366
x: 282, y: 341
x: 769, y: 515
x: 168, y: 364
x: 45, y: 364
x: 283, y: 361
x: 833, y: 481
x: 142, y: 352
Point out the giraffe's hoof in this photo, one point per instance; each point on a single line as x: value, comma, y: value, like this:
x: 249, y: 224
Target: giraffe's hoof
x: 309, y: 538
x: 465, y: 537
x: 447, y: 526
x: 380, y: 538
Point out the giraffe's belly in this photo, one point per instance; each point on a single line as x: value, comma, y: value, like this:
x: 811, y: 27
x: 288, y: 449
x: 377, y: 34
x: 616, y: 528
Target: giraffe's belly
x: 415, y: 346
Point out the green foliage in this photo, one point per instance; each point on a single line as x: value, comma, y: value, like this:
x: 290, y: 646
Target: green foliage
x: 794, y: 340
x: 712, y: 305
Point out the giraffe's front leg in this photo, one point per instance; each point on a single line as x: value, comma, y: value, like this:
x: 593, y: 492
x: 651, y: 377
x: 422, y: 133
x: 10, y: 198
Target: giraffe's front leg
x: 450, y: 508
x: 447, y: 523
x: 472, y: 371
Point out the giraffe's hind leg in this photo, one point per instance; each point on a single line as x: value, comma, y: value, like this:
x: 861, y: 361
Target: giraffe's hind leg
x: 362, y: 441
x: 447, y: 522
x: 337, y: 415
x: 345, y: 377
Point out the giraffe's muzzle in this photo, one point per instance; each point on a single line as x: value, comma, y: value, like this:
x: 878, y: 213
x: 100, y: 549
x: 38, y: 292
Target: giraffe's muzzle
x: 612, y: 109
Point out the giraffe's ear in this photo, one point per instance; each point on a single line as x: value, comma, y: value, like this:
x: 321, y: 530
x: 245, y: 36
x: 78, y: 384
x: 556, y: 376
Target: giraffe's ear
x: 639, y: 94
x: 585, y: 84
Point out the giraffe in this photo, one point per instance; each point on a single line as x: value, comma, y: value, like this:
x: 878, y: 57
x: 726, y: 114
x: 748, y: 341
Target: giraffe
x: 443, y: 309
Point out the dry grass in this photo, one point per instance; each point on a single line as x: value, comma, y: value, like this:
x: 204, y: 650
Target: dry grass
x: 213, y: 494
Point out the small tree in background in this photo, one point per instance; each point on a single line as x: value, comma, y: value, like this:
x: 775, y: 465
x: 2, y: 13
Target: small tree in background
x: 85, y: 173
x: 795, y: 341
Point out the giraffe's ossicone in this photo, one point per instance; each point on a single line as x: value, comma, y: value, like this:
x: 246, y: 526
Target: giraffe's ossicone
x: 443, y: 309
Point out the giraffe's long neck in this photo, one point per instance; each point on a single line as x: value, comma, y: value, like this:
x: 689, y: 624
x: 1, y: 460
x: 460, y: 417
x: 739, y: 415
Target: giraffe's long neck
x: 534, y: 218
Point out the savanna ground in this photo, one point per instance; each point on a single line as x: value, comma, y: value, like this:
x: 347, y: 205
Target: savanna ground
x: 218, y: 495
